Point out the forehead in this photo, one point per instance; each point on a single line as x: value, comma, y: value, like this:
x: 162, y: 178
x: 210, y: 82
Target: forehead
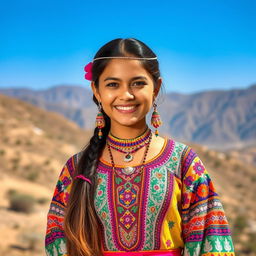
x: 124, y: 68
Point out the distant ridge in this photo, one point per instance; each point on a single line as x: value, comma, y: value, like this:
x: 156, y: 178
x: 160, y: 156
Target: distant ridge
x: 219, y: 119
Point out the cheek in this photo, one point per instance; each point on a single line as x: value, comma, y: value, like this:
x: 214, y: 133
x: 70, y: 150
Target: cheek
x: 107, y: 101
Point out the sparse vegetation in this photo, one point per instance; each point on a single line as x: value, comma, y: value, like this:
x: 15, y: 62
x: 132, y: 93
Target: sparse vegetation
x: 47, y: 162
x: 15, y: 160
x: 20, y: 202
x: 42, y: 200
x: 32, y: 175
x: 18, y: 142
x: 29, y: 143
x: 2, y: 152
x: 239, y: 185
x: 217, y: 163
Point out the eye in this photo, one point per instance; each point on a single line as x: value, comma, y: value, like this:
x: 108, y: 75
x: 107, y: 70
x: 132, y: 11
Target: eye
x: 139, y: 83
x: 111, y: 85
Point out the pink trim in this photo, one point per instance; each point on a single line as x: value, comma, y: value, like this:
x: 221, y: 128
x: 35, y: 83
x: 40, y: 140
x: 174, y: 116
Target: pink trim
x: 174, y: 252
x: 83, y: 178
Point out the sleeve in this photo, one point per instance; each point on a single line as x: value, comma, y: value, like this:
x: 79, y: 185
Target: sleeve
x: 205, y: 227
x: 55, y: 243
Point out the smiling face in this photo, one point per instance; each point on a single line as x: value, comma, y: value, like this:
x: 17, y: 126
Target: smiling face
x: 126, y: 92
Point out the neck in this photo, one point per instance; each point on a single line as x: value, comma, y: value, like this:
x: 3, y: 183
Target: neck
x: 128, y: 132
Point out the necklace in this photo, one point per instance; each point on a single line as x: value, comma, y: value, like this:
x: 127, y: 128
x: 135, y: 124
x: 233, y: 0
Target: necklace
x: 128, y: 170
x: 129, y: 146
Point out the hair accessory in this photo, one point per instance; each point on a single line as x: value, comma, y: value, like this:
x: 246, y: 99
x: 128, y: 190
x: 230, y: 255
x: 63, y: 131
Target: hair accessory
x: 83, y: 178
x: 155, y: 119
x: 100, y: 121
x: 124, y: 57
x: 88, y: 67
x: 129, y: 146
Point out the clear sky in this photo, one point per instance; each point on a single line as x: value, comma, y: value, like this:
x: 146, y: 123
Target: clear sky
x: 201, y: 45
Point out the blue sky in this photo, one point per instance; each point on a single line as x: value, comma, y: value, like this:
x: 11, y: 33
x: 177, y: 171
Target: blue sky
x: 201, y: 45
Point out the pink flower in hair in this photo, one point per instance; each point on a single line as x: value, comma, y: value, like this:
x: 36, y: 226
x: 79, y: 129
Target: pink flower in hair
x: 88, y: 69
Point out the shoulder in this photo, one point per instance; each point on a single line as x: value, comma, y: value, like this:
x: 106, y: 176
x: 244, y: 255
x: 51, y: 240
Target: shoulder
x: 182, y: 153
x: 72, y: 162
x: 180, y: 149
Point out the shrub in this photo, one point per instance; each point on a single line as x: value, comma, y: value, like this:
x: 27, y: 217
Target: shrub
x: 32, y: 176
x: 2, y: 152
x: 217, y: 163
x: 18, y: 142
x: 21, y: 202
x: 47, y: 161
x: 42, y: 200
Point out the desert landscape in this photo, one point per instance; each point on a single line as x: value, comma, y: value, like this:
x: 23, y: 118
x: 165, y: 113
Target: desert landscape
x: 35, y: 144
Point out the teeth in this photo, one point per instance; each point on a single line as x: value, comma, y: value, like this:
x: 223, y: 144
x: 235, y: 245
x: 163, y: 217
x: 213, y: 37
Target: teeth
x: 125, y: 108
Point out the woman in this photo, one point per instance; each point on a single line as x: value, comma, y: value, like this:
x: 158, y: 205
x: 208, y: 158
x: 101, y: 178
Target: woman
x: 131, y: 191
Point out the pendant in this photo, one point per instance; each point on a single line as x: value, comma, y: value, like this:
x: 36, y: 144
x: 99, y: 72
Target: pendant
x: 128, y: 170
x: 128, y: 157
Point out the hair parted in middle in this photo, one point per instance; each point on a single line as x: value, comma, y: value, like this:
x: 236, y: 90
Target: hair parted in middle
x: 81, y: 224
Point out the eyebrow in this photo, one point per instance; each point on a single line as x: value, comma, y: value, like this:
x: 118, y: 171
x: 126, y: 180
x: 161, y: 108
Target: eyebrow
x: 117, y: 79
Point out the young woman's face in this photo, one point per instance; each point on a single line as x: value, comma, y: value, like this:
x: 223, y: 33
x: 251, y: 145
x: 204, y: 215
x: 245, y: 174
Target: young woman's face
x: 126, y: 91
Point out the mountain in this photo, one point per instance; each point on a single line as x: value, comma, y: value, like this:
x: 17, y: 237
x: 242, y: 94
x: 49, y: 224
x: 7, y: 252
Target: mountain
x: 219, y: 119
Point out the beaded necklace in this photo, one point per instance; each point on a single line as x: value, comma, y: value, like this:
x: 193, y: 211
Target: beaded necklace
x: 128, y: 170
x: 129, y: 146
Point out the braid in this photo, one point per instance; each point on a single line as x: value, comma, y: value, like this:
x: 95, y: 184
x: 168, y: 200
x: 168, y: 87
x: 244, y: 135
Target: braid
x: 80, y: 210
x: 93, y: 150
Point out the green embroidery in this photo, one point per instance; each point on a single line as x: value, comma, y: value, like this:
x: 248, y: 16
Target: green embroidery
x: 120, y: 209
x: 137, y: 179
x: 211, y: 244
x: 134, y: 208
x: 171, y: 224
x: 174, y: 160
x: 101, y: 206
x: 118, y: 180
x: 57, y: 248
x: 156, y: 196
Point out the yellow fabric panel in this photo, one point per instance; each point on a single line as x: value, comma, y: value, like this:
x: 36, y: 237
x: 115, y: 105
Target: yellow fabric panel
x: 171, y: 236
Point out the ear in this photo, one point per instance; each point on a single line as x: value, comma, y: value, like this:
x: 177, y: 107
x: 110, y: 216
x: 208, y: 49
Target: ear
x: 95, y: 91
x: 157, y: 89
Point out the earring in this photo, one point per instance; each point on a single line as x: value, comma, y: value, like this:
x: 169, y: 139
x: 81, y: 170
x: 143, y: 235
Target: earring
x: 100, y: 121
x: 155, y: 119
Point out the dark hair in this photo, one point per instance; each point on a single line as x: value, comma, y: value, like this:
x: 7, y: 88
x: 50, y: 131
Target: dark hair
x: 81, y: 223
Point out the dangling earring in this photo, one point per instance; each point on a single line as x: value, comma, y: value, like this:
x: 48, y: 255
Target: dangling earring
x: 100, y: 121
x: 155, y: 119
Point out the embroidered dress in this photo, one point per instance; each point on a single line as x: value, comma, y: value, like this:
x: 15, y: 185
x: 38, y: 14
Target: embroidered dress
x: 171, y: 208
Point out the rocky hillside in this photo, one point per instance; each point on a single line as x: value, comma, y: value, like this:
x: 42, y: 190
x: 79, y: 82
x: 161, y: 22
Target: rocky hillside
x: 34, y: 145
x: 219, y: 119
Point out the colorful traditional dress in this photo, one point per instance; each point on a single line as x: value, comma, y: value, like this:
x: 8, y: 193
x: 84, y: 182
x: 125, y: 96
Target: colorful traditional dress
x: 171, y: 207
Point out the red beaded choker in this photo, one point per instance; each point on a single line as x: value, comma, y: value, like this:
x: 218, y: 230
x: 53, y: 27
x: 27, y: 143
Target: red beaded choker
x: 129, y: 146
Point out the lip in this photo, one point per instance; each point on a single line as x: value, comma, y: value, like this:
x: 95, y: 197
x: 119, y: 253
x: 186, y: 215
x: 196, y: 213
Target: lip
x: 126, y: 111
x: 128, y: 105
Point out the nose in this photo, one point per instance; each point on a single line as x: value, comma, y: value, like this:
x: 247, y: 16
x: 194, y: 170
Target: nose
x: 126, y: 93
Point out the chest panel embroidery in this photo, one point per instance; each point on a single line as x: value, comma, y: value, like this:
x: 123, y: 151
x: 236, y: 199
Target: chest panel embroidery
x: 132, y: 207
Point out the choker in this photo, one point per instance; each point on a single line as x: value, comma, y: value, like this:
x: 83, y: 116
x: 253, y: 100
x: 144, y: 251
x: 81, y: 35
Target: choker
x: 129, y: 146
x: 129, y: 172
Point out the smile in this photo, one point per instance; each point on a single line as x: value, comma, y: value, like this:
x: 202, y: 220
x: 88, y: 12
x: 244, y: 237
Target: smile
x: 126, y: 109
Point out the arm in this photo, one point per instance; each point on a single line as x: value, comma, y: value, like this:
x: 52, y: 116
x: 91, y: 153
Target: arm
x: 204, y: 225
x: 55, y: 243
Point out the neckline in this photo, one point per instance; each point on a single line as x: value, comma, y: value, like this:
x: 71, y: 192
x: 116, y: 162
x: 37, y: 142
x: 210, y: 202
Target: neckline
x: 149, y: 161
